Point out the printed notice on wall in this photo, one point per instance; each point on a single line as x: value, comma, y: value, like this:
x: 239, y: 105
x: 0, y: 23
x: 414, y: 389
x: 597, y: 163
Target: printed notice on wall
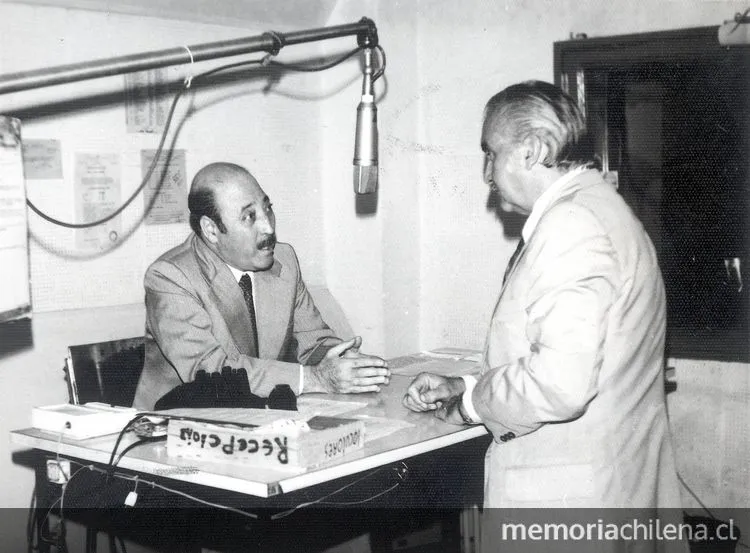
x: 97, y: 194
x: 42, y: 159
x: 15, y: 295
x: 146, y: 101
x: 165, y: 195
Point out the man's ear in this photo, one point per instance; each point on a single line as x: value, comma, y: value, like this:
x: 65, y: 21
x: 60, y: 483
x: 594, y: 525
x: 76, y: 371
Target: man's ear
x: 534, y: 151
x: 209, y: 229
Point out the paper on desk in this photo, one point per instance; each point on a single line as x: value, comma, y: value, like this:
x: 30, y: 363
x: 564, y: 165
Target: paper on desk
x: 380, y: 427
x: 229, y: 415
x: 412, y: 365
x: 462, y: 354
x: 312, y: 406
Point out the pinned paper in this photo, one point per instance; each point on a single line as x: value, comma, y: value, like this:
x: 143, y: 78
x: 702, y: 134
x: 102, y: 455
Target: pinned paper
x: 165, y: 195
x: 15, y: 300
x: 42, y: 159
x: 146, y: 103
x: 97, y: 194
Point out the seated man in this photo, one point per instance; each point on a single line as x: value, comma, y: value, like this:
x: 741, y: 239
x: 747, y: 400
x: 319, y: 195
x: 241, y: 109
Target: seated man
x: 231, y: 296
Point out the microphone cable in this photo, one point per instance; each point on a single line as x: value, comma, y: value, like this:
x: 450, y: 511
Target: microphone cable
x: 265, y: 61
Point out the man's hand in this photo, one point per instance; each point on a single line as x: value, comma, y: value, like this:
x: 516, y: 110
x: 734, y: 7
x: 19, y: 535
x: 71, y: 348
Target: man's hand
x: 344, y: 370
x: 430, y: 392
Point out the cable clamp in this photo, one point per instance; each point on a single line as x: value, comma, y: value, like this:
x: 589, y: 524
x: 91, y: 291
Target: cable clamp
x: 132, y: 497
x: 278, y: 41
x: 189, y: 78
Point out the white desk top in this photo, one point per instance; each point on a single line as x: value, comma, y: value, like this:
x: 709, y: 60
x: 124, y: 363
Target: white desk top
x: 427, y: 434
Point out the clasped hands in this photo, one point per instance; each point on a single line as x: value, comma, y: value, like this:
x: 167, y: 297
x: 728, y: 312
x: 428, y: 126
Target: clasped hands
x: 344, y: 370
x: 431, y: 392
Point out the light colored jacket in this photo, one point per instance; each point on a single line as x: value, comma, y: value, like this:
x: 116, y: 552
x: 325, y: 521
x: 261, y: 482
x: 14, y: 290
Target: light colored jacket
x: 572, y: 385
x: 196, y: 318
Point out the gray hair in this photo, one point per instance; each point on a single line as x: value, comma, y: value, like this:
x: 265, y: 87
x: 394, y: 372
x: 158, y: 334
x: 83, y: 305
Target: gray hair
x: 539, y: 109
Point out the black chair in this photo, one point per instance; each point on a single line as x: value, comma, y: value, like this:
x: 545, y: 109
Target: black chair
x: 106, y: 372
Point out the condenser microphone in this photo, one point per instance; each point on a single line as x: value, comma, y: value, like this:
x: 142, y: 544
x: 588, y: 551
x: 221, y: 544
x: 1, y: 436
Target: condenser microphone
x: 366, y: 135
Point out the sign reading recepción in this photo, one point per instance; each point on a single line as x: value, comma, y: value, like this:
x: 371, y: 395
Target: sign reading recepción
x: 325, y: 439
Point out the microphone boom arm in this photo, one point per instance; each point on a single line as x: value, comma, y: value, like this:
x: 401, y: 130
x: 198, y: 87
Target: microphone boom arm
x: 270, y: 42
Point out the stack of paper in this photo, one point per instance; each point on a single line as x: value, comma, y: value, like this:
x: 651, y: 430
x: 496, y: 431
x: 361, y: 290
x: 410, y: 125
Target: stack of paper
x: 443, y: 362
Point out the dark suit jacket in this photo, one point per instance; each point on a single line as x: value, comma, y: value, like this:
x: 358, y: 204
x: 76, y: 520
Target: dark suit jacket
x: 196, y: 318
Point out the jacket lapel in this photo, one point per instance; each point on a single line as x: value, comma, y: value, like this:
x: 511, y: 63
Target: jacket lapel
x: 516, y: 261
x: 227, y: 296
x: 272, y: 295
x: 584, y: 180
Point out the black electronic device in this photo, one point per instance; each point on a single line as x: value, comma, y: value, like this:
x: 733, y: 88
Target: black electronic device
x: 228, y: 388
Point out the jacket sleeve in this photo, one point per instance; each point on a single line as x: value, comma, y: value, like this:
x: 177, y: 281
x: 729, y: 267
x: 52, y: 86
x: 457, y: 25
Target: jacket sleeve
x: 313, y: 337
x: 182, y: 327
x: 569, y: 278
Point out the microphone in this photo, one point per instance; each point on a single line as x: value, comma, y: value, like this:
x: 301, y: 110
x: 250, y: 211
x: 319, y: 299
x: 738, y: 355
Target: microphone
x: 366, y: 135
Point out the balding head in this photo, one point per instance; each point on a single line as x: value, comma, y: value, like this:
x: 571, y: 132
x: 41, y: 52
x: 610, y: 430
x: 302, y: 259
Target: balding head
x: 203, y: 190
x: 233, y: 215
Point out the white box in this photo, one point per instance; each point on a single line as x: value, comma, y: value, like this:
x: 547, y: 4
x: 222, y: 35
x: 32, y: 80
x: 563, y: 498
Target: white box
x: 82, y: 421
x: 326, y: 439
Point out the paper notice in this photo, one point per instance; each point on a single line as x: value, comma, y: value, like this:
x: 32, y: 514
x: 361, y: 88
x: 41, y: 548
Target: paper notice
x: 146, y: 101
x: 165, y: 195
x: 15, y: 296
x: 97, y: 194
x: 42, y: 159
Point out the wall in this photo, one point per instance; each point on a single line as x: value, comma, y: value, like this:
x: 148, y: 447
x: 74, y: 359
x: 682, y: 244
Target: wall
x: 709, y: 415
x: 273, y: 134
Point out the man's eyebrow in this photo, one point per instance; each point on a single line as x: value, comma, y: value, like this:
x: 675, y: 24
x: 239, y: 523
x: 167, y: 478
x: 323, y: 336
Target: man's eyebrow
x: 266, y: 200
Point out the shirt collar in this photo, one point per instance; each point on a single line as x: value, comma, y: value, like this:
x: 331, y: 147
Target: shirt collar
x: 238, y: 274
x: 546, y: 199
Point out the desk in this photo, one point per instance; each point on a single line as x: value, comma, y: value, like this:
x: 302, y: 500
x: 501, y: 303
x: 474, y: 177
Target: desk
x: 424, y: 442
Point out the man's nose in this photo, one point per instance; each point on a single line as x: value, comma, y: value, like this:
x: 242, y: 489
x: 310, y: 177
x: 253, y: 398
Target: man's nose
x: 487, y: 173
x: 266, y: 224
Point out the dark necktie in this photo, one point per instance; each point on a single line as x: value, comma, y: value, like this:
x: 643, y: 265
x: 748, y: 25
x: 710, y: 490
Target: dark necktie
x: 513, y: 259
x: 246, y: 283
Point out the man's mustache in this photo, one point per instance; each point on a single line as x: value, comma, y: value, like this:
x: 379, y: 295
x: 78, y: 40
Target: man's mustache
x: 267, y: 242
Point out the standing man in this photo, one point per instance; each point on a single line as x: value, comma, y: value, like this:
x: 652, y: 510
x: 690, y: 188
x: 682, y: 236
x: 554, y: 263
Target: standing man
x: 572, y: 377
x: 230, y: 295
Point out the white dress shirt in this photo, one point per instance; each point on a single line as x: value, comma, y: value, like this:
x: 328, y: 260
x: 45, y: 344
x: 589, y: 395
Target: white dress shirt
x: 237, y: 276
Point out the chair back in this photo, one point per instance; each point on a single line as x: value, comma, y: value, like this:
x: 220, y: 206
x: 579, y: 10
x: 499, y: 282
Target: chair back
x: 107, y: 372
